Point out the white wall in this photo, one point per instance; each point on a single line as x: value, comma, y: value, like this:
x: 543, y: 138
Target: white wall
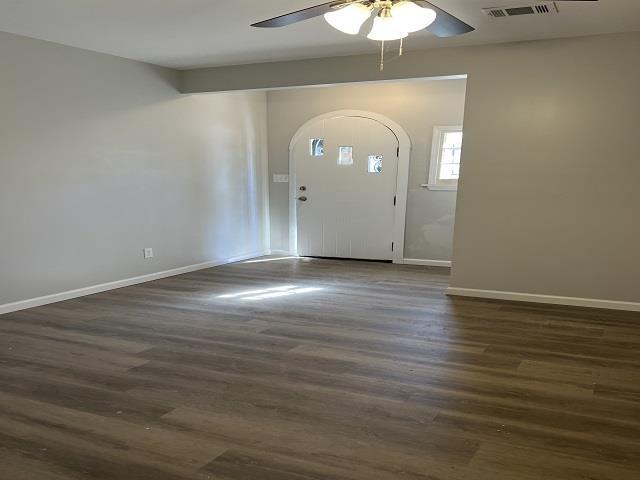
x: 417, y: 106
x: 549, y: 202
x: 101, y: 157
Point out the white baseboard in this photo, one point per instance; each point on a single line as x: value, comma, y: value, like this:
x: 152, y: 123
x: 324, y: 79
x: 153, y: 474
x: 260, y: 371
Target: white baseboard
x: 280, y: 252
x: 427, y: 263
x: 548, y: 299
x: 82, y: 292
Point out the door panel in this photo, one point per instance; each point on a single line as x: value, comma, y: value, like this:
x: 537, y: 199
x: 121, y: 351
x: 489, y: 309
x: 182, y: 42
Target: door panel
x: 349, y: 211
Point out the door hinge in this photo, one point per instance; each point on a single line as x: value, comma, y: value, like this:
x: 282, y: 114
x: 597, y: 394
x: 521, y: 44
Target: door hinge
x: 394, y: 200
x: 392, y: 245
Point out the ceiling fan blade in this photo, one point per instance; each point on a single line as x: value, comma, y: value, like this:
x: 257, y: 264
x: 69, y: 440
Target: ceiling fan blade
x: 300, y: 15
x: 446, y: 25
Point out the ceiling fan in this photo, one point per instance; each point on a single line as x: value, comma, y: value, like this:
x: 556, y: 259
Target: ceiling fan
x: 393, y: 19
x: 348, y: 16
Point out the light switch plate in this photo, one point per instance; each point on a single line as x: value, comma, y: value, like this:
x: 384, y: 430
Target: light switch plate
x: 148, y: 253
x: 279, y: 178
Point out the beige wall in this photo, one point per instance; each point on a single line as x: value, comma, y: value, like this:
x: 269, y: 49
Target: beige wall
x: 417, y: 106
x: 101, y: 157
x: 549, y: 201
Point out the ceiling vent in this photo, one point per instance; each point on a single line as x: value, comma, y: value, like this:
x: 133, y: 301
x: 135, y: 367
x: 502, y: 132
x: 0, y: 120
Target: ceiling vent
x: 542, y: 8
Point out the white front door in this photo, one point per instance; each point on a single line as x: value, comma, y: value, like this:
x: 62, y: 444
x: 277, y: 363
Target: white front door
x: 345, y: 172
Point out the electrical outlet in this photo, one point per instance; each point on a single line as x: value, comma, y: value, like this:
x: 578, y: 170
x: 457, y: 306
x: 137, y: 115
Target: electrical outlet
x: 148, y: 253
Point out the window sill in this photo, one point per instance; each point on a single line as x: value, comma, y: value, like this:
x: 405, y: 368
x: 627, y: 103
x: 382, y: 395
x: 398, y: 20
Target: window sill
x: 444, y: 188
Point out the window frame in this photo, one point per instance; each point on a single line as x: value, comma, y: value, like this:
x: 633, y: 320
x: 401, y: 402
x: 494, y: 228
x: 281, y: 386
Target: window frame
x: 435, y: 183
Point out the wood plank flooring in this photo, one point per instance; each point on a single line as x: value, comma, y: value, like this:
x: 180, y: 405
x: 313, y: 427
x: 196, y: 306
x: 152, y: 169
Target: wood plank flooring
x: 309, y: 369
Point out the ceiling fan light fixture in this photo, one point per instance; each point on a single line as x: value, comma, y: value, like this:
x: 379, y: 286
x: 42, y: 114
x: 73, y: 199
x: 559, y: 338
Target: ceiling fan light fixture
x: 349, y: 19
x: 387, y: 28
x: 412, y: 17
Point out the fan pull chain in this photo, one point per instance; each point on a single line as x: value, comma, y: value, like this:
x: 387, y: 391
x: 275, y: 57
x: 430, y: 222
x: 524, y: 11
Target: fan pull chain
x: 401, y: 47
x: 382, y: 58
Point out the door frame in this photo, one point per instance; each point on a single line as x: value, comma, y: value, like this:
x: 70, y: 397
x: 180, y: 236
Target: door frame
x: 402, y: 180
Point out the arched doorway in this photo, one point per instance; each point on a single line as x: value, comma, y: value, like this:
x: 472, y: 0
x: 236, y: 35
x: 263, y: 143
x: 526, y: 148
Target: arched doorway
x: 348, y: 186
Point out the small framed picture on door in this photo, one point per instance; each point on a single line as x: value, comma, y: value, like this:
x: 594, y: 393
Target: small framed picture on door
x: 345, y: 155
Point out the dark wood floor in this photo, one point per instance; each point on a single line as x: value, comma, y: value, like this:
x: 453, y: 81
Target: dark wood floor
x: 355, y: 370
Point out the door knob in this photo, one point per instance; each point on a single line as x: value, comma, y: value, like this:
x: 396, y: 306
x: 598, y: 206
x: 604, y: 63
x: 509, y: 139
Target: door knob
x: 302, y: 199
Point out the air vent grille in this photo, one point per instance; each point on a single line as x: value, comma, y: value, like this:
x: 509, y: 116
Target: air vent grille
x: 544, y: 8
x: 519, y: 11
x: 495, y: 12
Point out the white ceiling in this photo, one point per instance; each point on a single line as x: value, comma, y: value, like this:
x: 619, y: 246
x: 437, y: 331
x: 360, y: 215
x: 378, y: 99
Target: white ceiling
x: 196, y: 33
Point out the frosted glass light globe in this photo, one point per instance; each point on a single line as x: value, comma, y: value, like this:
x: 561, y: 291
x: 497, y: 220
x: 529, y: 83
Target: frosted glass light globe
x: 349, y: 19
x: 387, y: 28
x: 412, y: 17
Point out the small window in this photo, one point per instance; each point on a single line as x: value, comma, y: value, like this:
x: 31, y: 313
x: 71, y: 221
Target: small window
x: 375, y: 164
x: 444, y: 169
x: 316, y: 147
x: 345, y: 155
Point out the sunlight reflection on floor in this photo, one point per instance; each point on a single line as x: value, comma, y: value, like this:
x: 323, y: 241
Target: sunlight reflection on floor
x: 271, y: 292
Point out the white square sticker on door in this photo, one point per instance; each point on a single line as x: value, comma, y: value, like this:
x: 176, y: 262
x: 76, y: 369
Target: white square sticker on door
x: 345, y: 155
x: 374, y: 164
